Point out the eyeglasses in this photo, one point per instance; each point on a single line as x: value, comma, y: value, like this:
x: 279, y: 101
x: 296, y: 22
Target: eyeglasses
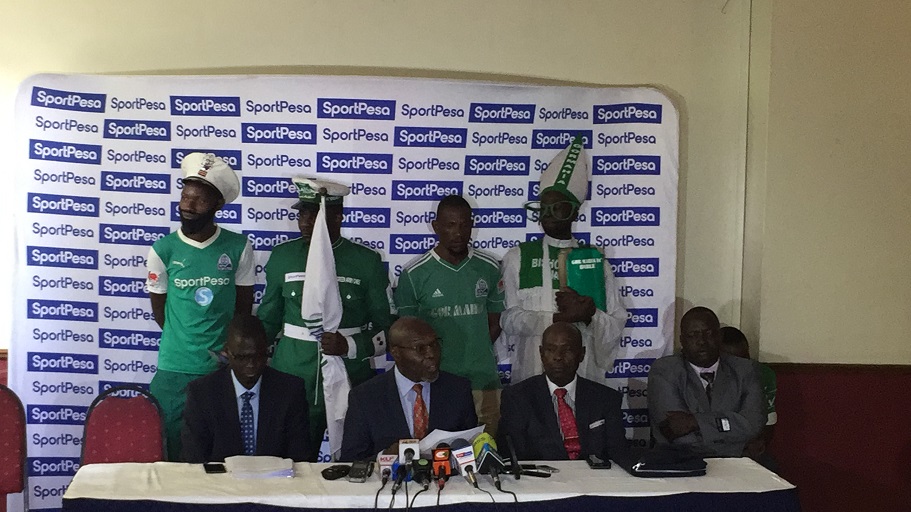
x: 420, y: 348
x: 561, y: 210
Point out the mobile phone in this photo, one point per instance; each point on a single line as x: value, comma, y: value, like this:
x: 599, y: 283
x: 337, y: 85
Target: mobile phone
x: 540, y: 467
x: 360, y: 470
x: 596, y: 462
x: 335, y: 472
x: 214, y: 468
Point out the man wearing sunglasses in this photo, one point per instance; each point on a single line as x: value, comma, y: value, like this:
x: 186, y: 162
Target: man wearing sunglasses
x: 534, y: 297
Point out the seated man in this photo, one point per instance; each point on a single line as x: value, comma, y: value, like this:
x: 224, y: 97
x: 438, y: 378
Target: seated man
x: 560, y: 415
x: 412, y: 400
x: 703, y: 398
x: 246, y: 408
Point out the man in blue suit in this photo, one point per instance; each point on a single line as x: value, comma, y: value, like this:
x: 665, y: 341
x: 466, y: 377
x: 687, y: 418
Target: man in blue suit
x: 412, y: 400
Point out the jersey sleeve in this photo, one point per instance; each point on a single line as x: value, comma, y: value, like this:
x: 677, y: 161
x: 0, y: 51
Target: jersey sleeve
x: 246, y: 273
x: 157, y: 278
x: 496, y: 298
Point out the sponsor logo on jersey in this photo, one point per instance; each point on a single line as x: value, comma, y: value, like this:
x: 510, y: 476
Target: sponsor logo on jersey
x: 641, y: 317
x: 111, y: 286
x: 261, y: 186
x: 366, y: 218
x: 633, y: 418
x: 221, y: 106
x: 62, y: 363
x: 143, y: 183
x: 278, y: 133
x: 53, y: 466
x: 204, y: 296
x: 628, y: 368
x: 56, y: 414
x: 354, y: 108
x: 490, y: 165
x: 131, y: 235
x: 230, y: 156
x: 61, y: 257
x: 267, y: 240
x: 501, y: 113
x: 68, y: 100
x: 626, y: 216
x: 620, y: 113
x: 634, y: 267
x: 559, y: 139
x: 430, y: 137
x: 403, y: 190
x: 356, y: 163
x: 499, y: 217
x: 129, y: 339
x: 74, y: 311
x: 411, y: 243
x: 134, y: 129
x: 68, y: 152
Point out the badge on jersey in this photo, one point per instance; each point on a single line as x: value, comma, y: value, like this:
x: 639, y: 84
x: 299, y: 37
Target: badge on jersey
x: 224, y: 263
x: 481, y: 289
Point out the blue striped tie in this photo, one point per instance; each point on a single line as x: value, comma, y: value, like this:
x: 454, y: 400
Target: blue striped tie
x: 246, y: 424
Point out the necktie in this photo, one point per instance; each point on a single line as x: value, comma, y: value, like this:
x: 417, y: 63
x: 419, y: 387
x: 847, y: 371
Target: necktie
x: 710, y: 378
x: 420, y: 413
x: 246, y: 424
x: 568, y: 425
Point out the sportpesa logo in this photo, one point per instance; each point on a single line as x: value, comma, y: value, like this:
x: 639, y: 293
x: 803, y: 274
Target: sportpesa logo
x: 68, y: 100
x: 272, y: 133
x: 268, y: 187
x: 641, y: 317
x: 626, y: 216
x: 357, y: 163
x: 63, y: 205
x: 54, y: 362
x: 131, y: 235
x: 411, y: 244
x: 144, y: 183
x: 501, y: 113
x: 429, y: 137
x: 366, y: 218
x: 56, y: 414
x: 635, y: 418
x: 129, y: 340
x: 622, y: 113
x: 64, y: 152
x: 221, y: 106
x: 627, y: 368
x: 111, y: 286
x: 534, y: 188
x: 490, y: 165
x: 424, y: 190
x: 267, y: 240
x: 634, y: 267
x: 52, y: 466
x: 231, y: 157
x: 499, y: 217
x: 355, y: 108
x: 228, y: 214
x: 61, y: 257
x: 559, y: 139
x: 131, y: 129
x: 626, y: 165
x: 73, y: 311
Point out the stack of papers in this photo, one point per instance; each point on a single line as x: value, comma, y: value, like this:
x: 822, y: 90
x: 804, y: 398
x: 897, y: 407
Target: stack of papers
x: 259, y: 466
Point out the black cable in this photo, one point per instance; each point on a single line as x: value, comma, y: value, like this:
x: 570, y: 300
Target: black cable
x: 439, y: 490
x: 406, y: 493
x: 415, y: 498
x: 488, y: 493
x: 514, y: 497
x: 392, y: 502
x: 376, y: 499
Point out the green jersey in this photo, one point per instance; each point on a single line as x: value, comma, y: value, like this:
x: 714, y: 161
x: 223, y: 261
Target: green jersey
x: 199, y: 279
x: 455, y: 300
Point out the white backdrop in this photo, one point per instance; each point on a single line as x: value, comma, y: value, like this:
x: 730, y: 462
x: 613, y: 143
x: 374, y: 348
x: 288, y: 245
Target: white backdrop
x: 97, y: 181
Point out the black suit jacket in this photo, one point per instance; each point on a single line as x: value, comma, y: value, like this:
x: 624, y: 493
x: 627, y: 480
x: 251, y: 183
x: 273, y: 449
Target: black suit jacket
x: 211, y: 428
x: 375, y: 418
x: 527, y: 416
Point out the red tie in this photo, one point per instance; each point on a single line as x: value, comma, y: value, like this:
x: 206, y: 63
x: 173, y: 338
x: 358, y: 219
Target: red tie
x: 420, y: 413
x: 568, y: 425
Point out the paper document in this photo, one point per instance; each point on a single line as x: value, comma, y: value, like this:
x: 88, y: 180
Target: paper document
x: 443, y: 436
x: 259, y: 466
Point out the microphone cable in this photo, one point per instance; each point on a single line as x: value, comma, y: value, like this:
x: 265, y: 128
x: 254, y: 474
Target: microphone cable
x: 385, y: 480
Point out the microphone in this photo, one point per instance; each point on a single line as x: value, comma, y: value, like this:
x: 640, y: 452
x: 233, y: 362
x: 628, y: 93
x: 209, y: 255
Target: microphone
x: 385, y: 460
x: 408, y: 449
x: 514, y: 467
x: 442, y: 467
x: 487, y: 458
x: 401, y: 473
x: 421, y: 471
x: 464, y: 455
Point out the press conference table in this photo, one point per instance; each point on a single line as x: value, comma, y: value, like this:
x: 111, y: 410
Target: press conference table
x: 730, y: 484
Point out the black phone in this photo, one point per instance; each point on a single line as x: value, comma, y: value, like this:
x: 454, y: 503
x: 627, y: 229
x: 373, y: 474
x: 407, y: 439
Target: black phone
x: 214, y: 468
x: 335, y: 472
x: 596, y: 462
x: 360, y: 470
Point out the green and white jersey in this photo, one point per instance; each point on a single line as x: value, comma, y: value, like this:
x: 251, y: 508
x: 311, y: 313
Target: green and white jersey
x: 455, y: 300
x: 200, y: 280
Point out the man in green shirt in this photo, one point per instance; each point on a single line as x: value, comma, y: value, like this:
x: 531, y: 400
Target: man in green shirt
x: 457, y: 290
x: 366, y: 301
x: 198, y: 277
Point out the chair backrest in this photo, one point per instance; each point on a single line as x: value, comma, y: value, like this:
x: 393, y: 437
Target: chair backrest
x: 12, y: 443
x: 123, y: 424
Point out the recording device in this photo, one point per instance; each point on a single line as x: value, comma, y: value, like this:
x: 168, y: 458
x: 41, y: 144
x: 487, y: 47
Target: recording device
x: 360, y: 470
x: 408, y: 449
x: 421, y: 471
x: 514, y: 467
x: 596, y: 462
x: 336, y: 471
x: 464, y: 456
x: 488, y: 460
x: 214, y: 468
x: 386, y: 459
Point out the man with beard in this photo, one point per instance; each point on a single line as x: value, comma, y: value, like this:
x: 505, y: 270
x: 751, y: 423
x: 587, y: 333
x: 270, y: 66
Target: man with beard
x: 457, y: 290
x: 198, y: 277
x: 409, y: 402
x: 363, y: 284
x: 534, y: 298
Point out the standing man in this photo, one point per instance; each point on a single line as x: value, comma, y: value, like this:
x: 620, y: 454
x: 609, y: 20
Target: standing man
x: 702, y: 398
x: 534, y: 298
x: 199, y: 277
x: 456, y: 290
x: 366, y: 301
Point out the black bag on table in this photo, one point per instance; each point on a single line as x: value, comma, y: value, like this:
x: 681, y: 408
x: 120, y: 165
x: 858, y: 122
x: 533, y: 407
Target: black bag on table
x: 668, y: 461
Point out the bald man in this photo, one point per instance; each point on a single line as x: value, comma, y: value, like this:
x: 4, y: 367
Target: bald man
x: 409, y: 402
x: 704, y: 398
x: 560, y: 415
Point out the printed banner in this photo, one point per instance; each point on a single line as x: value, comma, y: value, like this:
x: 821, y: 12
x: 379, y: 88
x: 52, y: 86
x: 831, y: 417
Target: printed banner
x: 98, y: 180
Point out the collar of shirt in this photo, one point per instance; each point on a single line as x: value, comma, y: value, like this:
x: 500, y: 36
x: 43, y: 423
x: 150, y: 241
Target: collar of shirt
x: 700, y: 370
x: 199, y: 245
x: 570, y: 392
x: 556, y: 242
x: 407, y: 396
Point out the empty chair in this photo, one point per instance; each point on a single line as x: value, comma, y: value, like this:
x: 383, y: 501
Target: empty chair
x: 12, y: 445
x: 123, y: 425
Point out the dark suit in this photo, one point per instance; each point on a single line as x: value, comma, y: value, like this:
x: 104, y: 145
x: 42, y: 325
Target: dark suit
x: 376, y: 420
x: 211, y: 429
x: 528, y: 417
x: 673, y: 385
